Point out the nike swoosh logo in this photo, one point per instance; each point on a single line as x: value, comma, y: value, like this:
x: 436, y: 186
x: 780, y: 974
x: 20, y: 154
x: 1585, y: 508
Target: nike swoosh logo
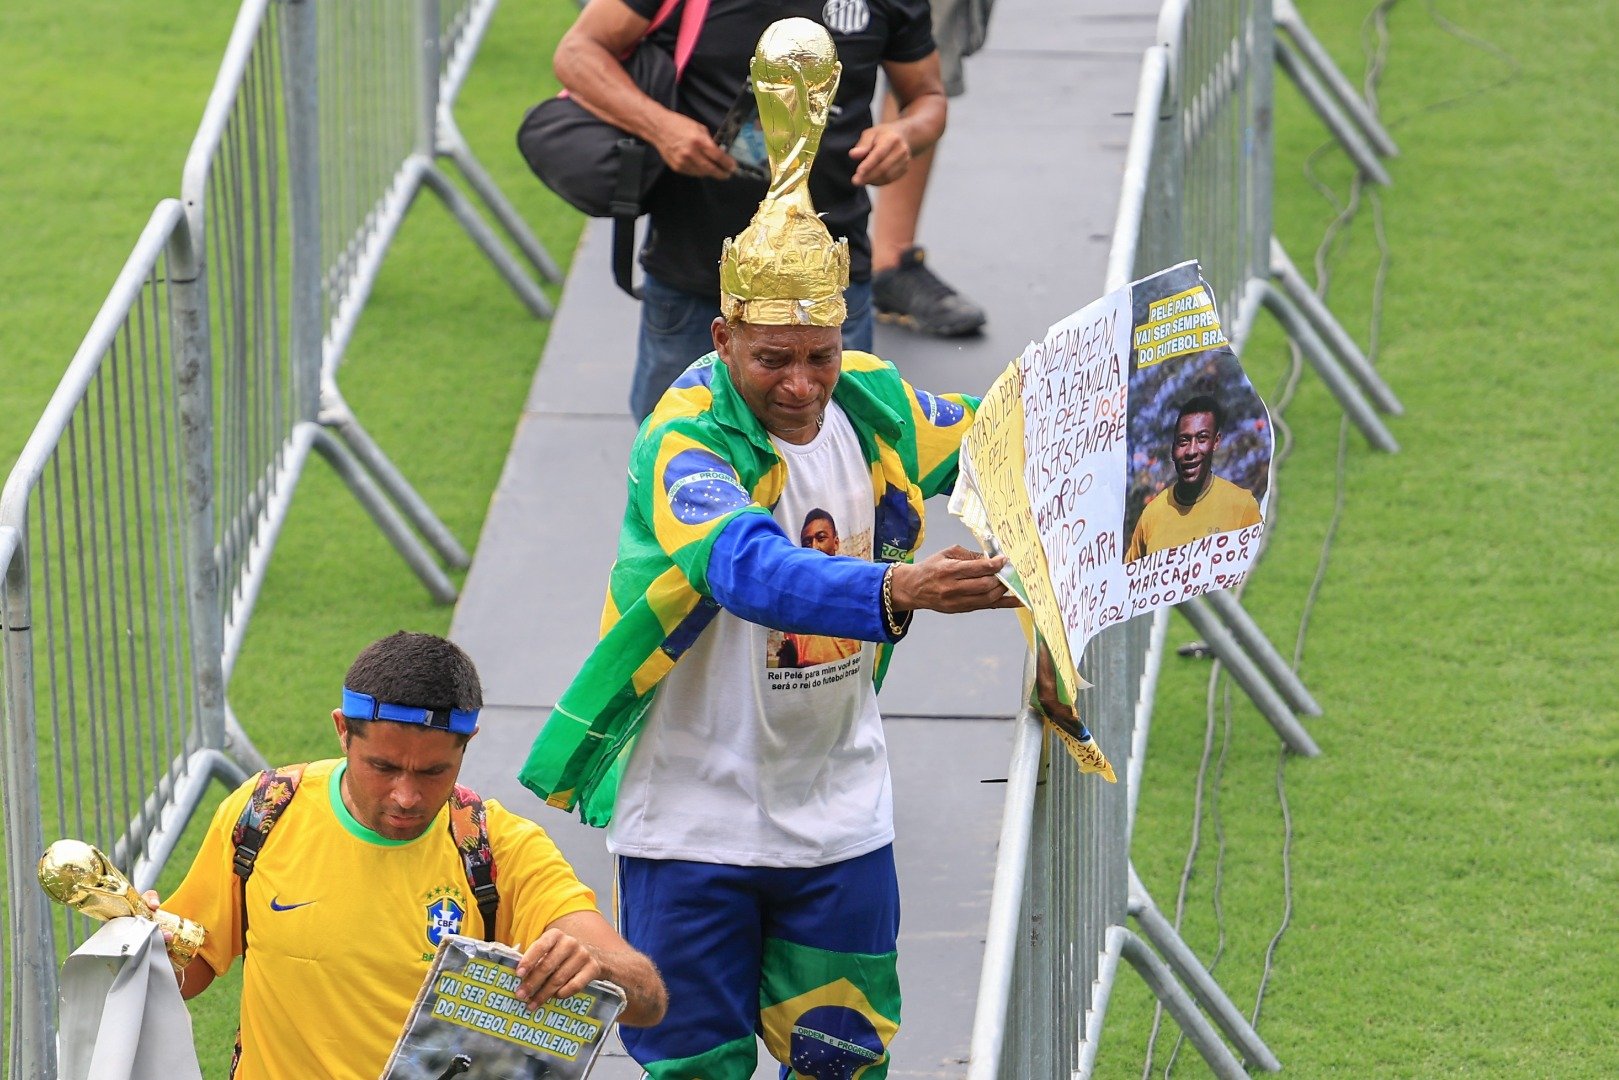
x: 276, y: 905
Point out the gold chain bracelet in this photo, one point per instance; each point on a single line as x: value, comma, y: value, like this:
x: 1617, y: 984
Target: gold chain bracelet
x: 896, y: 626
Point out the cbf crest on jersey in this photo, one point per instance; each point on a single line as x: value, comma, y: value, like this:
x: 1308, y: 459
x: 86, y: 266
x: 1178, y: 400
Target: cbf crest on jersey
x: 846, y: 16
x: 443, y: 917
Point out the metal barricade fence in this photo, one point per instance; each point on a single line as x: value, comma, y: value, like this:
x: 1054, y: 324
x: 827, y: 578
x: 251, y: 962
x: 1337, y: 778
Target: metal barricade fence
x: 367, y: 84
x: 322, y: 128
x: 1350, y: 120
x: 1063, y: 884
x: 386, y: 76
x: 1197, y: 183
x: 114, y: 695
x: 455, y: 24
x: 462, y: 24
x: 1210, y: 172
x: 1221, y: 83
x: 136, y: 525
x: 384, y: 86
x: 259, y: 201
x: 236, y: 185
x: 1219, y: 91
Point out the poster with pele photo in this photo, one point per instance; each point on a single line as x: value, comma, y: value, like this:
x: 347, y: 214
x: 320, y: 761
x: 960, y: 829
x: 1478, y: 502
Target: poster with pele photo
x: 466, y: 1023
x: 1122, y: 466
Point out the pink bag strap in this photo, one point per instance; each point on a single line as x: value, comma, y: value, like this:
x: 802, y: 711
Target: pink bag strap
x: 662, y: 16
x: 691, y: 25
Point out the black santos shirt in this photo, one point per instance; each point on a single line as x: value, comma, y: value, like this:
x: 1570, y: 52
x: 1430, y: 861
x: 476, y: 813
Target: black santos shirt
x: 691, y: 217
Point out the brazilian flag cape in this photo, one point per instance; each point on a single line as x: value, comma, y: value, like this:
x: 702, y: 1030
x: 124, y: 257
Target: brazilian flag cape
x: 701, y: 459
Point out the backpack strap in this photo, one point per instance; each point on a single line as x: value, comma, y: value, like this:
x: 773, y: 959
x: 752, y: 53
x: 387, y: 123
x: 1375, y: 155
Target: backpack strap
x: 692, y: 15
x: 469, y: 828
x: 691, y: 26
x: 271, y: 794
x: 634, y: 159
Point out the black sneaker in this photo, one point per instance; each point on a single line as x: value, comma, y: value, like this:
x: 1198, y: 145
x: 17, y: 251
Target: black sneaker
x: 914, y: 297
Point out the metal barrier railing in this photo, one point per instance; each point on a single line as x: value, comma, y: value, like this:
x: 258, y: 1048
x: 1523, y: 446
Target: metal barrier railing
x: 136, y: 525
x: 1197, y: 184
x: 323, y: 126
x: 1351, y: 122
x: 387, y: 77
x: 462, y: 24
x: 265, y: 201
x: 1209, y: 158
x: 114, y: 694
x: 236, y: 185
x: 1218, y: 91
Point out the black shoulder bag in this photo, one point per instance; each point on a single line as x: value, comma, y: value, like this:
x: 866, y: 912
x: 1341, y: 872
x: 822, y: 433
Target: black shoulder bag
x: 597, y: 168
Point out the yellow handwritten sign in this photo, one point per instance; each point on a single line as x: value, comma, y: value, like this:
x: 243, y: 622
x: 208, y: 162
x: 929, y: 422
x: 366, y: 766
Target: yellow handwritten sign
x: 995, y: 445
x: 995, y: 455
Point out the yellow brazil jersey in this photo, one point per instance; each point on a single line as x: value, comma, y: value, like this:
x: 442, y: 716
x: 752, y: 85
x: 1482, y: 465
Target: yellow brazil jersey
x: 342, y: 923
x: 1165, y: 523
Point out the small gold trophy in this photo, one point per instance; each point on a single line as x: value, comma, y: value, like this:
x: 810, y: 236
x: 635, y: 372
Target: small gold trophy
x: 76, y: 874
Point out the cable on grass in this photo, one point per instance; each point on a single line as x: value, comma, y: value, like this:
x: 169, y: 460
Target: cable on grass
x: 1466, y: 37
x: 1375, y: 28
x: 1348, y: 210
x: 1191, y: 857
x: 1217, y: 898
x: 1375, y: 41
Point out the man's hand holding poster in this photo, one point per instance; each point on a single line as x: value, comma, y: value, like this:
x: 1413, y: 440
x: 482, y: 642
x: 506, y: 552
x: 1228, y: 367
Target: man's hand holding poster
x: 1121, y: 464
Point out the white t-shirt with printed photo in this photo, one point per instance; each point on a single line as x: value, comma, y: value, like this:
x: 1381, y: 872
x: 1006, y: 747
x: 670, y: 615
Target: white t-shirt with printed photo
x: 763, y: 748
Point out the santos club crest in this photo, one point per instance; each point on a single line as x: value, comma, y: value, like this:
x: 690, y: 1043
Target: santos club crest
x: 846, y: 16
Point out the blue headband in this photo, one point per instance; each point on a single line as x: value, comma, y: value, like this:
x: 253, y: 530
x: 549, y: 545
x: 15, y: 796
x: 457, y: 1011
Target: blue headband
x: 358, y: 706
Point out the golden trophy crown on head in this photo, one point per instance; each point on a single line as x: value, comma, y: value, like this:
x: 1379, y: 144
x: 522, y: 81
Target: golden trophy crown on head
x: 784, y: 269
x: 78, y: 875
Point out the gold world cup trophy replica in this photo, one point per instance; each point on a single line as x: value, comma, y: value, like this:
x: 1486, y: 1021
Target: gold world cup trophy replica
x: 78, y: 875
x: 784, y: 269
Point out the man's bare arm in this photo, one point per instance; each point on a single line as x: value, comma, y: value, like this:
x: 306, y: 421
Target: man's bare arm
x: 582, y: 946
x: 586, y: 62
x: 198, y: 976
x: 885, y: 149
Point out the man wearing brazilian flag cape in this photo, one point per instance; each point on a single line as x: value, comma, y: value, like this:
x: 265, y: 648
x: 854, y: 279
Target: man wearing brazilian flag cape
x: 746, y: 793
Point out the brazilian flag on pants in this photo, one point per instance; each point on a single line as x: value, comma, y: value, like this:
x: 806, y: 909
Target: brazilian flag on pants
x: 834, y: 1030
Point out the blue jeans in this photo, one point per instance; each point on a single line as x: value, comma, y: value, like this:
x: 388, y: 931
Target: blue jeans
x: 676, y: 328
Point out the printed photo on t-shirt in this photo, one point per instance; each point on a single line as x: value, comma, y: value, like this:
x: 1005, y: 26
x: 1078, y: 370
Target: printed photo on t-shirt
x: 787, y: 650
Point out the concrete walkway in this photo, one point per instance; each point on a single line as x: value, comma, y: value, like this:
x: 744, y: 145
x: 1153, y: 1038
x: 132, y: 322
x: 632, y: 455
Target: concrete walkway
x: 1019, y: 217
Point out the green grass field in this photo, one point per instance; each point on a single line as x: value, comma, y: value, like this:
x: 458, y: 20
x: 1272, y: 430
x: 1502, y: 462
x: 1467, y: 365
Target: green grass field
x: 1455, y: 852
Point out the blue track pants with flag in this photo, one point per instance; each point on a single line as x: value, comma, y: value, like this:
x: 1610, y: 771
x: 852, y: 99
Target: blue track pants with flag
x: 804, y: 957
